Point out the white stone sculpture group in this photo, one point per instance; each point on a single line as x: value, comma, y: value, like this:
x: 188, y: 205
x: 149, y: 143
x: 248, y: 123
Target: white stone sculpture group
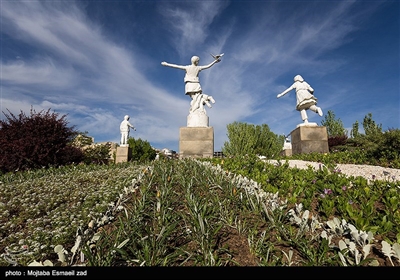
x: 197, y: 114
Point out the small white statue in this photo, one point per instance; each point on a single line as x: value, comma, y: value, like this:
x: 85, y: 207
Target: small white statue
x: 191, y: 79
x: 305, y: 97
x: 124, y: 128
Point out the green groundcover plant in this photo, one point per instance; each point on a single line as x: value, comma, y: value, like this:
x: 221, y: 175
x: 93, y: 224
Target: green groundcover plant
x: 237, y: 211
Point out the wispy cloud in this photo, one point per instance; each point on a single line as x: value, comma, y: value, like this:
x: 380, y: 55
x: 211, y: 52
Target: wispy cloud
x: 40, y: 71
x: 188, y: 24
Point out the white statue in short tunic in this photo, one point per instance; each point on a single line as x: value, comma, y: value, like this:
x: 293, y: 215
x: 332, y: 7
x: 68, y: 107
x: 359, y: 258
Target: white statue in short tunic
x: 191, y: 79
x: 304, y: 96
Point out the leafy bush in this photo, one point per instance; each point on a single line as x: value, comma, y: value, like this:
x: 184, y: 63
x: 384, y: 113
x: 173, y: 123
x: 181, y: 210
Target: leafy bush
x: 83, y: 140
x: 335, y: 141
x: 141, y: 150
x: 389, y: 148
x: 380, y: 147
x: 39, y: 140
x: 246, y: 139
x: 93, y: 153
x: 97, y: 154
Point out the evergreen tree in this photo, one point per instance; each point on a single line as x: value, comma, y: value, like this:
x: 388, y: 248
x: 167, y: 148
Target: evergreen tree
x: 337, y: 134
x: 354, y: 131
x: 370, y: 127
x: 334, y: 126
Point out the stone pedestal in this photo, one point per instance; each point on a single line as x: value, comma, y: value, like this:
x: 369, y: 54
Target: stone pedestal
x: 123, y: 154
x: 309, y: 139
x: 196, y: 142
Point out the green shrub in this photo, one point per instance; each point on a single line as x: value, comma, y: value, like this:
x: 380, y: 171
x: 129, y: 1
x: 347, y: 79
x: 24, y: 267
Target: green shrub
x: 141, y: 150
x: 250, y: 139
x: 97, y: 154
x: 389, y: 148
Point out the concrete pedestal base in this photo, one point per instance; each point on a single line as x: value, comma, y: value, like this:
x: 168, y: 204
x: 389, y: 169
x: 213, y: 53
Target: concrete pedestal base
x: 309, y: 139
x: 196, y: 142
x: 123, y: 154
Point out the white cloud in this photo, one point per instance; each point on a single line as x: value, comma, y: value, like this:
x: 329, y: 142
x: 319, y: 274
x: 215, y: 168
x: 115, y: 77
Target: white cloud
x: 41, y: 71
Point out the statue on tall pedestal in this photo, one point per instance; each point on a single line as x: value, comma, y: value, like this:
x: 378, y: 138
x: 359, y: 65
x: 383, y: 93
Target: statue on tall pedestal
x: 197, y: 114
x: 305, y: 98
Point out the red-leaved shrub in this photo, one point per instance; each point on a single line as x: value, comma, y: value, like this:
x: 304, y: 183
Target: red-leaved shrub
x: 36, y: 141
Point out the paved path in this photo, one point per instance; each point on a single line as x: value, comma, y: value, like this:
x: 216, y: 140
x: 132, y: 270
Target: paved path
x: 367, y: 171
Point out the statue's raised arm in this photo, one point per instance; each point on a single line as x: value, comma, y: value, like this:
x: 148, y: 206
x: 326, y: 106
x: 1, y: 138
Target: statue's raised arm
x: 173, y: 65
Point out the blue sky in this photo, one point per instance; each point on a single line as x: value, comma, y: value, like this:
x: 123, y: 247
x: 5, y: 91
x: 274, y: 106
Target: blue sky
x: 96, y: 61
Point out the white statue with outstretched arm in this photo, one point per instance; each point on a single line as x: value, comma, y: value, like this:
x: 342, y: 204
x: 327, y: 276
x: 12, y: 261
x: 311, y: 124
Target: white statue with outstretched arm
x: 304, y: 96
x: 191, y: 79
x: 124, y: 129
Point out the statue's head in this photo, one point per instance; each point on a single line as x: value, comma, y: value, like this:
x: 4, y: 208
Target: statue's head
x: 195, y: 59
x: 298, y: 78
x: 126, y: 117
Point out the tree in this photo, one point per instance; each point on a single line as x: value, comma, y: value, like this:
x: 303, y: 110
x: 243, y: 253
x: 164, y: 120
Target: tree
x: 372, y: 137
x: 371, y: 129
x: 354, y: 131
x: 337, y: 134
x: 141, y: 149
x: 334, y: 126
x: 40, y: 140
x: 252, y: 139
